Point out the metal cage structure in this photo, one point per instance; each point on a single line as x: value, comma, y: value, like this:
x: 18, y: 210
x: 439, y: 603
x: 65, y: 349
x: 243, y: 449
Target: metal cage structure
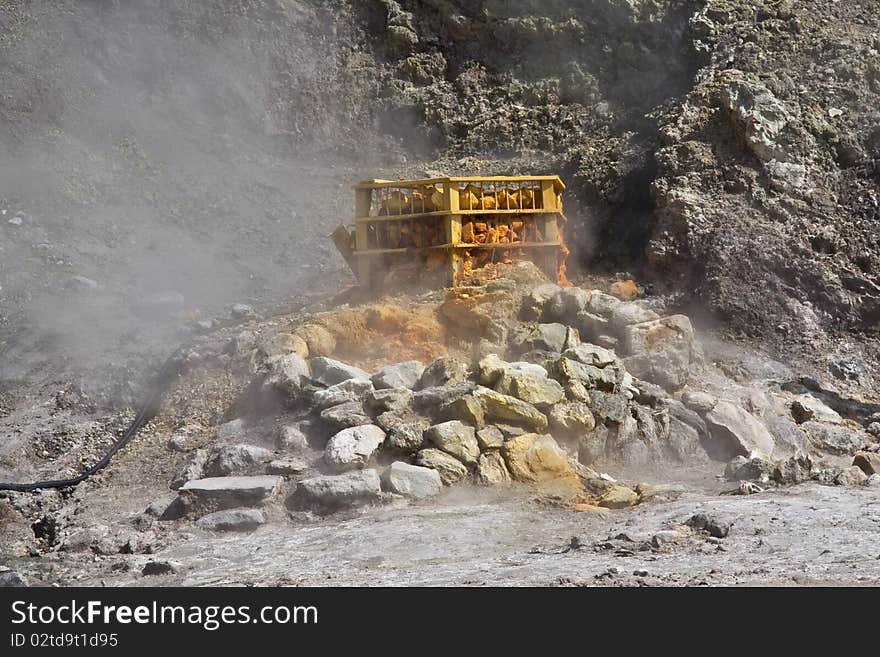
x: 458, y: 222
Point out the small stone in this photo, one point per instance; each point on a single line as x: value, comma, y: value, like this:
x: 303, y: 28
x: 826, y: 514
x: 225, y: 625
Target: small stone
x: 287, y: 374
x: 443, y: 371
x: 192, y: 468
x: 291, y: 438
x: 12, y: 579
x: 286, y: 467
x: 466, y: 409
x: 412, y: 480
x: 232, y: 520
x: 698, y: 401
x: 540, y: 392
x: 793, y: 470
x: 405, y: 436
x: 572, y: 417
x: 242, y: 310
x: 160, y: 568
x: 713, y: 526
x: 389, y: 399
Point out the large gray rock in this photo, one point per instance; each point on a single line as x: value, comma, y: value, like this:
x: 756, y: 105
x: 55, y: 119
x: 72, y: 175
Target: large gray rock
x: 661, y: 350
x: 591, y: 354
x: 405, y: 434
x: 505, y: 408
x: 539, y: 391
x: 232, y: 520
x: 608, y: 407
x: 288, y: 373
x: 412, y: 480
x: 734, y: 431
x: 237, y: 460
x: 329, y: 493
x: 834, y: 438
x: 443, y: 371
x: 399, y: 375
x: 491, y: 368
x: 566, y: 303
x: 328, y: 371
x: 350, y: 390
x: 429, y: 400
x: 602, y: 304
x: 352, y: 448
x: 546, y: 337
x: 449, y: 468
x: 343, y: 416
x: 193, y: 468
x: 229, y: 492
x: 572, y: 418
x: 389, y: 399
x: 455, y: 438
x: 629, y: 313
x: 535, y: 302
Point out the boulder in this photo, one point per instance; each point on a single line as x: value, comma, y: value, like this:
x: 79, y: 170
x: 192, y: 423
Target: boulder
x: 443, y: 371
x: 698, y: 401
x: 229, y: 492
x: 406, y: 436
x: 834, y: 438
x: 625, y: 290
x: 192, y: 468
x: 577, y: 377
x: 793, y: 470
x: 869, y: 462
x: 851, y: 476
x: 455, y: 438
x: 566, y: 303
x: 350, y: 390
x: 734, y: 431
x: 601, y: 304
x: 12, y: 579
x: 546, y: 337
x: 237, y: 460
x: 328, y: 372
x: 628, y: 313
x: 470, y: 310
x: 287, y: 374
x: 607, y: 407
x: 572, y: 417
x: 412, y: 480
x: 491, y: 468
x: 807, y: 407
x: 684, y: 441
x: 389, y: 399
x: 400, y: 375
x: 328, y: 493
x: 466, y: 409
x: 344, y: 416
x: 504, y: 408
x: 319, y: 340
x: 491, y: 368
x: 232, y: 520
x: 591, y: 354
x: 538, y: 459
x: 674, y: 332
x: 538, y: 391
x: 450, y: 468
x: 744, y: 469
x: 352, y: 448
x: 428, y: 400
x: 490, y: 438
x: 536, y: 301
x: 291, y: 438
x: 618, y: 496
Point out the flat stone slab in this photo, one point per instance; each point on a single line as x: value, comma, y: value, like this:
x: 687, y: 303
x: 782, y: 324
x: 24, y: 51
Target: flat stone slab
x: 227, y: 492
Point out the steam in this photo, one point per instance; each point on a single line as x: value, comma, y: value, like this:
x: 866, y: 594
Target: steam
x: 164, y: 160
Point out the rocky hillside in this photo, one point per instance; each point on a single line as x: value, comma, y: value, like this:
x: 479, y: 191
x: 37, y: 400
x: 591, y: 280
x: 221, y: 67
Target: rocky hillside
x: 179, y: 155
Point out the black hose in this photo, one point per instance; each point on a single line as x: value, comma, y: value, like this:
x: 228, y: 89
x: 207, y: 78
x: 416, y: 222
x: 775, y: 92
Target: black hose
x: 148, y: 411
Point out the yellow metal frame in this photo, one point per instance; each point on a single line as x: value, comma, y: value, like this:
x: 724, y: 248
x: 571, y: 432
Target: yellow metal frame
x: 549, y: 214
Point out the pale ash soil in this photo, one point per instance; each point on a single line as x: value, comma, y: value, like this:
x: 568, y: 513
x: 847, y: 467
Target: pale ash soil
x: 801, y: 535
